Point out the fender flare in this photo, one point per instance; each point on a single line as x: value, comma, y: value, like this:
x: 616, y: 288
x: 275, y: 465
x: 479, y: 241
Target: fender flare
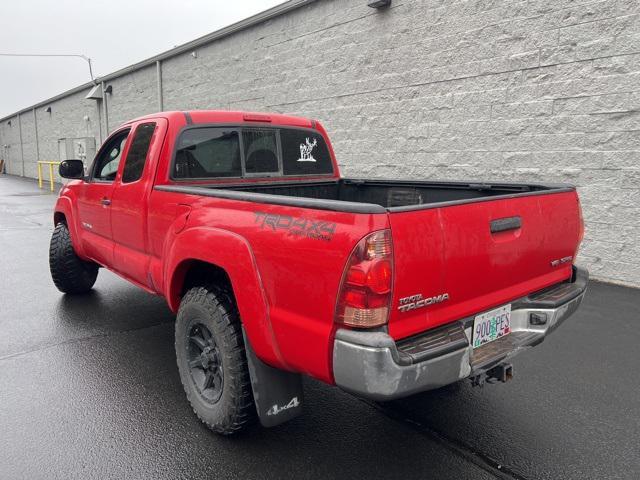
x: 232, y: 253
x: 64, y: 205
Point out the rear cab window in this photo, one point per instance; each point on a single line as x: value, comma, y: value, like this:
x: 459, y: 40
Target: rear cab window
x: 304, y: 152
x: 209, y: 152
x: 260, y: 151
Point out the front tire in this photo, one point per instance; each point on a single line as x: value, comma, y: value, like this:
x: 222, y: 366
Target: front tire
x: 69, y: 273
x: 212, y: 361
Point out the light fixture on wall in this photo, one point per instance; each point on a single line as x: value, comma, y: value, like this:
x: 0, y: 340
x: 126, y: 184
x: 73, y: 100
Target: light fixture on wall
x: 194, y: 54
x: 108, y: 89
x: 95, y: 93
x: 86, y: 118
x: 9, y: 123
x: 379, y: 3
x: 48, y: 109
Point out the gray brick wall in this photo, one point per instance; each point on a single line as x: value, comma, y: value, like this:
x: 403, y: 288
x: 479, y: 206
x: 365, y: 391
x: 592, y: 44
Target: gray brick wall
x: 28, y: 142
x: 10, y: 143
x: 514, y: 90
x: 134, y: 95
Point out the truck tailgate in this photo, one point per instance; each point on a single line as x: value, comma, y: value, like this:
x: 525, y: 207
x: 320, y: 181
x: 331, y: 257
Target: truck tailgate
x: 451, y: 258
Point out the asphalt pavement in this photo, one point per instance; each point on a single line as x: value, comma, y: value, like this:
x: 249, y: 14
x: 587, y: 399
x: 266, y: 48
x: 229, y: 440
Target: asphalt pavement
x: 89, y: 389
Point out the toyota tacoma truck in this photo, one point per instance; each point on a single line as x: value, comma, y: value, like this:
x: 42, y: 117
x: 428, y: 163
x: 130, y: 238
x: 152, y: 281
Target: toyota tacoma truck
x: 278, y: 267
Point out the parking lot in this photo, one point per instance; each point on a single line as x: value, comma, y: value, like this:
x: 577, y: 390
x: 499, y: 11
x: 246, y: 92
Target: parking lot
x: 89, y: 389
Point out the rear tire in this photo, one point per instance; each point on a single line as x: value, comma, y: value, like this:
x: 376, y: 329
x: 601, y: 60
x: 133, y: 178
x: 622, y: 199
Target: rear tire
x: 212, y: 361
x: 69, y: 273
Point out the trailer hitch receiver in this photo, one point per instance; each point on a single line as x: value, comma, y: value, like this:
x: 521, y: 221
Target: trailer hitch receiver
x: 500, y: 373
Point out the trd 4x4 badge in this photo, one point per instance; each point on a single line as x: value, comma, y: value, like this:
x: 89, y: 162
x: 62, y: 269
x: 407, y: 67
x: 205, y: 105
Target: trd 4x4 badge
x: 306, y: 227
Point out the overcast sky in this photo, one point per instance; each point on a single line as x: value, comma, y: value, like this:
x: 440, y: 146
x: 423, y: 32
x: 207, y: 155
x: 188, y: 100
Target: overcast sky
x: 114, y: 34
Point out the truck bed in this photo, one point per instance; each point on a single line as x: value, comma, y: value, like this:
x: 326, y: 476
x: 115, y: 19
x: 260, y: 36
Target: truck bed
x: 479, y: 246
x: 369, y: 196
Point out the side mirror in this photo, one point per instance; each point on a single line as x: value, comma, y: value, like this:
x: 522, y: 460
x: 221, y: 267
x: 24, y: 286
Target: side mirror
x: 71, y: 169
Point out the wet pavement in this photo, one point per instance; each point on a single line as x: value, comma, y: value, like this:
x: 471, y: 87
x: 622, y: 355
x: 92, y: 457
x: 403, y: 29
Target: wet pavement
x: 89, y: 389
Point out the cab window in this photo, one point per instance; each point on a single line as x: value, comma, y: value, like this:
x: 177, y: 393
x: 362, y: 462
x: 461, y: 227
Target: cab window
x: 108, y: 159
x: 260, y: 151
x: 208, y: 152
x: 137, y: 154
x: 304, y: 152
x: 216, y: 152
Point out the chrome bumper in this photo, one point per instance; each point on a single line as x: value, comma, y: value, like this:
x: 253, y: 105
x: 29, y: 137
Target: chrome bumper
x: 373, y: 365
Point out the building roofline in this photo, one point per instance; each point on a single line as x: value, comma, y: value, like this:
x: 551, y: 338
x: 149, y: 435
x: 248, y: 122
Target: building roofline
x: 198, y: 42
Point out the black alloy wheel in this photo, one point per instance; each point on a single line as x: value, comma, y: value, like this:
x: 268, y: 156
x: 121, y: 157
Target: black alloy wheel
x: 205, y: 363
x: 211, y: 359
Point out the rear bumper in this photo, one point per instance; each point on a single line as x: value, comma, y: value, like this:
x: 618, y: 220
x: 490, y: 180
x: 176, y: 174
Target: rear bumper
x: 373, y: 365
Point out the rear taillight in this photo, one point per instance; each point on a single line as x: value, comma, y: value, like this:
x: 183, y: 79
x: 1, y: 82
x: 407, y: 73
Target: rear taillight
x: 581, y: 231
x: 365, y: 292
x: 581, y: 224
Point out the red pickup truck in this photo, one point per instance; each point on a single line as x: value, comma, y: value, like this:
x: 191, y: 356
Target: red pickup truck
x: 277, y: 266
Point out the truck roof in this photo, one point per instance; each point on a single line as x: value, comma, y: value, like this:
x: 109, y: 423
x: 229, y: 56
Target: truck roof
x: 229, y: 116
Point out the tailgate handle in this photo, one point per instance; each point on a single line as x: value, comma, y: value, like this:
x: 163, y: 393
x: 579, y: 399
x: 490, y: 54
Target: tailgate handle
x: 504, y: 224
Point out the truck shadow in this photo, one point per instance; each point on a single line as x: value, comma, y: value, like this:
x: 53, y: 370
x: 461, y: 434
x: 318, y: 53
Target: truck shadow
x: 119, y: 385
x: 127, y: 388
x: 118, y: 307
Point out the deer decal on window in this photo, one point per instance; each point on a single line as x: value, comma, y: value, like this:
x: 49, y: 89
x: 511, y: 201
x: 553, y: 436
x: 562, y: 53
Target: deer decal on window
x: 305, y: 150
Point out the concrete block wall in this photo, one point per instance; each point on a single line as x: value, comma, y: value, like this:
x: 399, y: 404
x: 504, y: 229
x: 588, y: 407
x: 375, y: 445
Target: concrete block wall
x: 27, y: 124
x: 134, y: 94
x: 70, y: 117
x: 507, y: 90
x: 10, y: 146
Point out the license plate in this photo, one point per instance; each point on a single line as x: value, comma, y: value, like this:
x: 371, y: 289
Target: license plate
x: 492, y: 325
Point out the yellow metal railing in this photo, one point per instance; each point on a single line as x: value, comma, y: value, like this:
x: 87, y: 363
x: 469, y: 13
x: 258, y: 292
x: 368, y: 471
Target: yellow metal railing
x: 51, y: 164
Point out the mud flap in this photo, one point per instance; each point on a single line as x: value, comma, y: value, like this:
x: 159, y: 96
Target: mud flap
x: 277, y: 393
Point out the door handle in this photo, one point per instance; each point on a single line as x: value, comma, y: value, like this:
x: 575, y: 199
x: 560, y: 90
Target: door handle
x: 505, y: 224
x: 106, y: 202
